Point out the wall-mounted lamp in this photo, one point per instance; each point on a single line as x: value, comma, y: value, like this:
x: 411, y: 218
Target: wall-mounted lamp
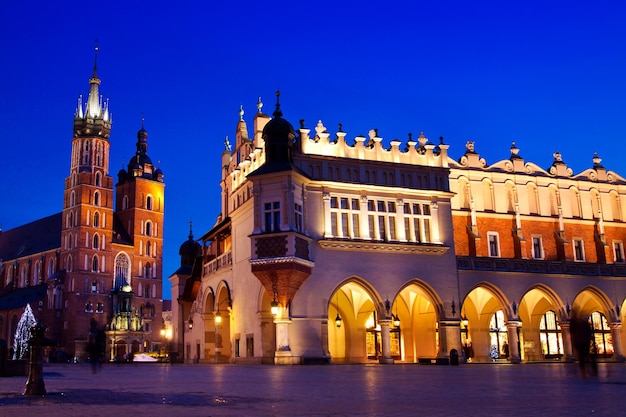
x: 453, y: 306
x: 568, y: 309
x: 338, y: 321
x: 218, y: 317
x: 338, y: 318
x: 388, y: 307
x: 396, y: 320
x: 514, y: 306
x: 190, y: 323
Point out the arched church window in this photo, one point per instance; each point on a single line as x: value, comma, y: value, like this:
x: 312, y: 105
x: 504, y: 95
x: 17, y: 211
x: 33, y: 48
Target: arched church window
x: 499, y: 339
x: 96, y: 220
x: 122, y: 271
x: 124, y: 202
x: 72, y: 199
x: 149, y: 202
x: 96, y: 241
x: 94, y: 263
x: 602, y: 338
x: 148, y: 228
x: 550, y: 336
x: 98, y: 181
x: 96, y: 198
x: 148, y: 269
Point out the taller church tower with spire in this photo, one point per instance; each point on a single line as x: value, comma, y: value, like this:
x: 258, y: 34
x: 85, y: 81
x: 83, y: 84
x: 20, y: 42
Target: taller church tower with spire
x: 110, y: 249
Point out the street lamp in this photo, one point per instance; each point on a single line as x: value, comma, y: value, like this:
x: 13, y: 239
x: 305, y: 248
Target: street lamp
x: 190, y: 323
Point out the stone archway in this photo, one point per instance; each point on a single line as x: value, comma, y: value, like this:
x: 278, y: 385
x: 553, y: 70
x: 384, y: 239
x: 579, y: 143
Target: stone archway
x: 545, y: 333
x: 415, y: 311
x: 353, y: 323
x: 485, y: 306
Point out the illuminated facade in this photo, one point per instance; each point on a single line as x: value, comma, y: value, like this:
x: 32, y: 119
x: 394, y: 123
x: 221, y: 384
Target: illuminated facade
x: 330, y: 251
x: 93, y: 268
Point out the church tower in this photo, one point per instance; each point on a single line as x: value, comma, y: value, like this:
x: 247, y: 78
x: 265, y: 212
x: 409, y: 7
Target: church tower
x: 87, y: 222
x: 139, y: 211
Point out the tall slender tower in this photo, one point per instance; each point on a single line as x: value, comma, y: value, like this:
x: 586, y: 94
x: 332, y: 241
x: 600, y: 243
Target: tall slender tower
x: 87, y: 225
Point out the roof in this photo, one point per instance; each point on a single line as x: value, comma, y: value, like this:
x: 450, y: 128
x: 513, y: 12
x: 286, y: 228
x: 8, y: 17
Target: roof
x: 39, y: 236
x: 19, y: 297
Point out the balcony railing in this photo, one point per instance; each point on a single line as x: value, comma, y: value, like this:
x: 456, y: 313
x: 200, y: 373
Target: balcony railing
x: 221, y: 261
x: 534, y: 266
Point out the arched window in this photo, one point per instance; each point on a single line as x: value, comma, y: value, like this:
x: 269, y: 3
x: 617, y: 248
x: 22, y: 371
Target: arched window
x: 148, y: 249
x: 50, y: 267
x: 69, y: 263
x: 72, y: 199
x: 96, y: 198
x: 124, y: 202
x: 37, y: 274
x: 554, y: 202
x: 510, y: 197
x: 96, y: 241
x: 122, y: 271
x: 23, y: 280
x: 148, y: 228
x: 488, y: 202
x: 533, y: 200
x: 148, y: 270
x: 595, y: 204
x: 149, y: 202
x: 499, y: 346
x: 464, y: 194
x: 616, y: 207
x: 98, y: 179
x: 70, y: 220
x: 574, y: 202
x: 96, y: 220
x: 603, y: 340
x: 94, y: 263
x: 550, y: 336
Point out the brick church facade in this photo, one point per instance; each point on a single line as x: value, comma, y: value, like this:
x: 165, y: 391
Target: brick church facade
x: 92, y: 271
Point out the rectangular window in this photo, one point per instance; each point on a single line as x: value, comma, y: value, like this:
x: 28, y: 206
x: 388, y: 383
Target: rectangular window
x: 298, y: 218
x: 579, y: 250
x: 272, y: 216
x: 494, y: 245
x: 537, y: 247
x: 356, y: 228
x: 618, y: 250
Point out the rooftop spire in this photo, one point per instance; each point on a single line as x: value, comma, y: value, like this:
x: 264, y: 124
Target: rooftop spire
x: 190, y: 230
x: 95, y: 61
x: 94, y: 105
x: 278, y: 112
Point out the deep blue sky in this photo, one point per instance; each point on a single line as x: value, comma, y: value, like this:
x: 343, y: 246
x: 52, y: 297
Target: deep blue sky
x: 548, y: 75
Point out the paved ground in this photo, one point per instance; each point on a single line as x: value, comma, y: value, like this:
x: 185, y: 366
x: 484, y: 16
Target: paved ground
x: 133, y: 390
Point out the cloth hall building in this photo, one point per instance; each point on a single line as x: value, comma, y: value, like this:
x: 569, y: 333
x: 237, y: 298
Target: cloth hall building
x: 330, y: 249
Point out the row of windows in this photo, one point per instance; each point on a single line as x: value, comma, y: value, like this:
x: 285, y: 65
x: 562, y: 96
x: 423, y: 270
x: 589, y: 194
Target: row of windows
x: 578, y: 247
x: 25, y: 279
x: 386, y: 220
x: 149, y: 202
x: 553, y: 203
x: 98, y: 221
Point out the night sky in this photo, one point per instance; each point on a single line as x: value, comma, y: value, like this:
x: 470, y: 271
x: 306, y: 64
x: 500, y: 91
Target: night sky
x: 548, y: 75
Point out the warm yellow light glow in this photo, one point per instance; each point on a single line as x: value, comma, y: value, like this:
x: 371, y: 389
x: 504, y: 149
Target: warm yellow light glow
x: 274, y: 307
x: 218, y: 317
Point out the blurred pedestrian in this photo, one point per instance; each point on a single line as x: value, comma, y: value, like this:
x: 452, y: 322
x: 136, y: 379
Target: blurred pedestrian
x: 582, y: 342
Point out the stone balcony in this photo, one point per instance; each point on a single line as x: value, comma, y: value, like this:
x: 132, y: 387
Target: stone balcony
x: 220, y: 262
